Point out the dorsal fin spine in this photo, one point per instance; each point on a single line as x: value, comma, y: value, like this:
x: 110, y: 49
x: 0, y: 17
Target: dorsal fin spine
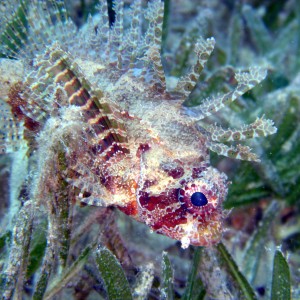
x: 80, y: 93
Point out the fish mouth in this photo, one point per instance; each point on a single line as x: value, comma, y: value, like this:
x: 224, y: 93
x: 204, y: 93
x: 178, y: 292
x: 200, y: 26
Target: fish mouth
x: 197, y: 232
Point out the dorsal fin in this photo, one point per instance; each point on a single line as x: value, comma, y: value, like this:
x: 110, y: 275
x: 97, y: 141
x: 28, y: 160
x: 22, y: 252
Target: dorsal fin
x: 103, y: 119
x: 31, y: 25
x: 57, y: 81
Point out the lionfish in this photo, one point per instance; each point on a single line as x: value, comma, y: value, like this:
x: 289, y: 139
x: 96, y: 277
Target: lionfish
x: 95, y: 110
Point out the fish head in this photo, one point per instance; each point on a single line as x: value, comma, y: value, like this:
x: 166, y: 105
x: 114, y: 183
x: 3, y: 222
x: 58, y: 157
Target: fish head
x: 182, y: 199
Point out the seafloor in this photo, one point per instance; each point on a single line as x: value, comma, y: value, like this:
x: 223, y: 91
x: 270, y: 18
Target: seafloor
x: 258, y: 257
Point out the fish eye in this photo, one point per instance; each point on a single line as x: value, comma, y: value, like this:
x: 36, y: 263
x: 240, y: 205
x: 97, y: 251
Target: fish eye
x: 198, y: 199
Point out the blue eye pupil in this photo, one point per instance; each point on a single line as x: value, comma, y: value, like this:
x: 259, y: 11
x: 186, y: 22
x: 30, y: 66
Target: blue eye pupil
x: 199, y: 199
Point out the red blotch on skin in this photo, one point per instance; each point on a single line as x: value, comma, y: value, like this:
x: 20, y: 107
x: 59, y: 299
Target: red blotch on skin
x: 148, y: 183
x: 142, y: 148
x: 197, y: 171
x: 31, y: 124
x: 175, y: 173
x: 130, y: 209
x: 171, y: 219
x: 162, y: 210
x: 108, y: 182
x: 16, y: 102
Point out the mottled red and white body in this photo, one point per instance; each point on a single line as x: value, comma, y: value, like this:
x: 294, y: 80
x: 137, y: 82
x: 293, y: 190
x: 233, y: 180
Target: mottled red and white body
x: 95, y: 110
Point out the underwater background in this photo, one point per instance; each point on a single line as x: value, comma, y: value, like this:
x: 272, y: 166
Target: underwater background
x: 110, y: 256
